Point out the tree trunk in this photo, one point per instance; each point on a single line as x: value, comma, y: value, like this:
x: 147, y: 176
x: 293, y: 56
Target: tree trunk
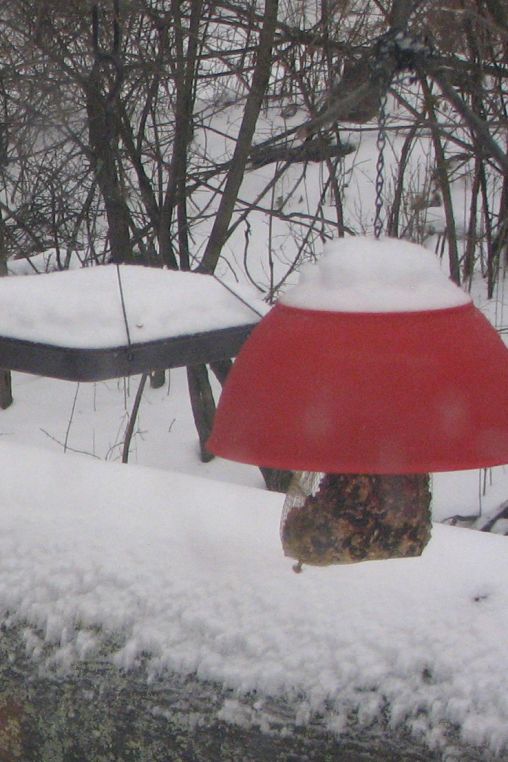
x: 442, y: 176
x: 5, y: 375
x: 101, y: 136
x: 102, y: 93
x: 343, y: 518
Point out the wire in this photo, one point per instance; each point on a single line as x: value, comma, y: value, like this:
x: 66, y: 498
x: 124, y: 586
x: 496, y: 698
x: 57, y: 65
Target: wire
x: 231, y: 290
x: 124, y: 310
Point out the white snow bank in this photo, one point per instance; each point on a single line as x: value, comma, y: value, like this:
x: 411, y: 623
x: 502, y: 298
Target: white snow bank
x: 191, y: 572
x: 83, y: 308
x: 45, y: 262
x: 362, y: 274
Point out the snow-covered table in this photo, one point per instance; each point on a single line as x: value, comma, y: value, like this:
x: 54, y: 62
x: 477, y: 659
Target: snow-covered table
x: 103, y: 322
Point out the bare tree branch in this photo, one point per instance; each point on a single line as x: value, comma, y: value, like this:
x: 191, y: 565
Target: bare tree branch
x: 478, y: 126
x: 241, y: 154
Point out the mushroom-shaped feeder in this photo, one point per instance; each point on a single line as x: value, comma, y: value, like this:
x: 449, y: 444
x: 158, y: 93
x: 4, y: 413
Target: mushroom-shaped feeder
x: 372, y: 372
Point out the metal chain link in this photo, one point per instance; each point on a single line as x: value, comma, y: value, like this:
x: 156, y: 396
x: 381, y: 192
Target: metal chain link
x: 380, y: 166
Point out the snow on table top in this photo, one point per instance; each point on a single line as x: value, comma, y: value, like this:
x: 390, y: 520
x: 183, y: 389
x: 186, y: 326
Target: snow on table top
x: 83, y: 308
x: 191, y: 572
x: 362, y: 274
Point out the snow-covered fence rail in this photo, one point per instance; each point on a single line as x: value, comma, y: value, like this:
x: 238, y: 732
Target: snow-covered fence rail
x: 129, y: 596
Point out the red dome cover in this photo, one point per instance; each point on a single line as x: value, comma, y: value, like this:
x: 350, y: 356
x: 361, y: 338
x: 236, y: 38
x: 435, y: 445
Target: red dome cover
x: 345, y: 392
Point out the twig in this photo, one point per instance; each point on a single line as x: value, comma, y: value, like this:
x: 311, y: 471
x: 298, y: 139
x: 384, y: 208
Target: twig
x: 71, y: 449
x: 477, y: 125
x: 132, y: 418
x: 67, y: 433
x: 502, y: 513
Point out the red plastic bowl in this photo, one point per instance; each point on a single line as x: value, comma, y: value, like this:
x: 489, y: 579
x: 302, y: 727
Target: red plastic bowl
x: 399, y: 392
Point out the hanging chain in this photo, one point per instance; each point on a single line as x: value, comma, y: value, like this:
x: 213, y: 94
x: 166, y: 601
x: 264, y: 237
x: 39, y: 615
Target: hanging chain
x: 397, y: 51
x: 380, y: 166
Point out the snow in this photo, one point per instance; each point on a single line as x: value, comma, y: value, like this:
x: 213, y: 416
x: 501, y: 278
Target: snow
x: 83, y: 308
x: 46, y: 261
x: 362, y: 274
x: 190, y: 572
